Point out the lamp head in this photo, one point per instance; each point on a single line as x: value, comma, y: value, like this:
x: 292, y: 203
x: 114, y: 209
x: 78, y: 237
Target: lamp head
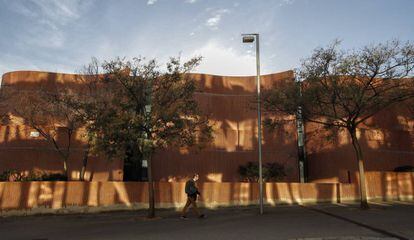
x: 248, y: 39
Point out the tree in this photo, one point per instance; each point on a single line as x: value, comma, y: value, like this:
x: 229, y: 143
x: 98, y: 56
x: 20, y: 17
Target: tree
x: 70, y: 117
x: 341, y: 89
x: 3, y: 106
x: 134, y: 104
x: 41, y: 110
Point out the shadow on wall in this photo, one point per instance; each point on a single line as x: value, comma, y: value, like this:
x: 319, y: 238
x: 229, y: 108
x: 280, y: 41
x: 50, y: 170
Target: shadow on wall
x: 24, y: 149
x: 230, y: 105
x: 20, y: 151
x: 51, y: 196
x: 57, y: 195
x: 386, y: 140
x: 227, y: 100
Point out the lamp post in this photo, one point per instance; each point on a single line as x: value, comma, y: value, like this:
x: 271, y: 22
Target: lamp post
x: 249, y: 38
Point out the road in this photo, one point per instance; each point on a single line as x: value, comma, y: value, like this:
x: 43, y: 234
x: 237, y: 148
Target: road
x: 327, y: 221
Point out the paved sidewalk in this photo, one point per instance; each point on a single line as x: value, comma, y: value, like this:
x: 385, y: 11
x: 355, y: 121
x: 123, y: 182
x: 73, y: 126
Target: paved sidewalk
x: 348, y: 222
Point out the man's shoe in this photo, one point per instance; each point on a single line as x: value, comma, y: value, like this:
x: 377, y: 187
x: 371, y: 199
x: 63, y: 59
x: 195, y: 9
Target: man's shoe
x: 202, y: 216
x: 184, y: 217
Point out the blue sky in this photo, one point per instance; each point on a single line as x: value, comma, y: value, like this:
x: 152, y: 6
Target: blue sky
x: 63, y: 35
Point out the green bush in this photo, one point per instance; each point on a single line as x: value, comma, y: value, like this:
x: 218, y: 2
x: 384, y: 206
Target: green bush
x: 271, y: 172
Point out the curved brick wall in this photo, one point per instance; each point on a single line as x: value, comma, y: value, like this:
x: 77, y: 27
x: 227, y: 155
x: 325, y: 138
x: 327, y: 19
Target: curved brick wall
x: 387, y: 138
x: 227, y: 100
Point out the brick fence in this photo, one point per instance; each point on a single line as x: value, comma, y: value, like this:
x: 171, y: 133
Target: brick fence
x: 19, y: 198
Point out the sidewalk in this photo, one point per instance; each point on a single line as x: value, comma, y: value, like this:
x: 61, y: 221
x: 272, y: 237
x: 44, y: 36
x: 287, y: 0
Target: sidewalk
x: 382, y: 221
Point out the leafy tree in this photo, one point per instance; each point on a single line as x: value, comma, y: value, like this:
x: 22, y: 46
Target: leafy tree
x: 341, y: 89
x: 135, y: 104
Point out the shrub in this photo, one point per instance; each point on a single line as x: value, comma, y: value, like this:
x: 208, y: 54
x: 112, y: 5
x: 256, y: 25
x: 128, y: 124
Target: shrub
x: 54, y: 177
x: 274, y: 172
x: 4, y: 176
x: 271, y: 172
x: 13, y: 175
x: 31, y: 176
x: 249, y: 172
x: 406, y: 168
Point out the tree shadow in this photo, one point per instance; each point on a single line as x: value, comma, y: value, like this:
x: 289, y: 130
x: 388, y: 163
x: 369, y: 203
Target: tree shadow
x: 386, y: 140
x: 23, y: 150
x: 227, y: 101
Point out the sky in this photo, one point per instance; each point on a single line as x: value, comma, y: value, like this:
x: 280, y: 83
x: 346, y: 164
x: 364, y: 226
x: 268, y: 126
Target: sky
x: 63, y: 35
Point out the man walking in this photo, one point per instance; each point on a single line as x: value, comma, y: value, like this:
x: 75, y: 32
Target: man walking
x: 192, y: 191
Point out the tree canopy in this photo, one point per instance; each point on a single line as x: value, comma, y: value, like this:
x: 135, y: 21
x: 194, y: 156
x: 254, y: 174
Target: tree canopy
x: 341, y: 89
x: 135, y: 102
x: 132, y: 105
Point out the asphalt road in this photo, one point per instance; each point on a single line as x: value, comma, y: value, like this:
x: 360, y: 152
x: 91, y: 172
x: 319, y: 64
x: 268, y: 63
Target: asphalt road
x: 382, y: 221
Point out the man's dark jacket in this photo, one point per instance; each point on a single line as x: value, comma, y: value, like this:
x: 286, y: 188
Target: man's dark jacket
x: 190, y: 188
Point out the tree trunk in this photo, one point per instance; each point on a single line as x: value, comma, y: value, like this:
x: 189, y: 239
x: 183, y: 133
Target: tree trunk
x: 64, y: 156
x: 151, y: 200
x: 84, y: 163
x: 65, y: 168
x: 362, y: 182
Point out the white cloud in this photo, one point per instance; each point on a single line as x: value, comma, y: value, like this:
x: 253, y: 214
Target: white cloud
x: 286, y: 2
x: 224, y: 61
x: 191, y: 1
x: 151, y: 2
x: 214, y: 21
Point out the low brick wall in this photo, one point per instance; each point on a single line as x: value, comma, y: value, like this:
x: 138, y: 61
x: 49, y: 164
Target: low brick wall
x: 45, y: 197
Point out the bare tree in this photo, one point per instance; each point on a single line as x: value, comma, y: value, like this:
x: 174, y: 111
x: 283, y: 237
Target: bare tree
x: 3, y: 106
x: 68, y: 119
x: 342, y: 89
x: 41, y: 110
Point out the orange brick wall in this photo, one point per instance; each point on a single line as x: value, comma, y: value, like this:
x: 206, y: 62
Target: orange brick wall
x: 33, y: 197
x: 386, y: 139
x: 387, y: 142
x: 227, y: 100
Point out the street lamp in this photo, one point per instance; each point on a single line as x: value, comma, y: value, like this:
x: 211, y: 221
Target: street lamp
x: 249, y: 38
